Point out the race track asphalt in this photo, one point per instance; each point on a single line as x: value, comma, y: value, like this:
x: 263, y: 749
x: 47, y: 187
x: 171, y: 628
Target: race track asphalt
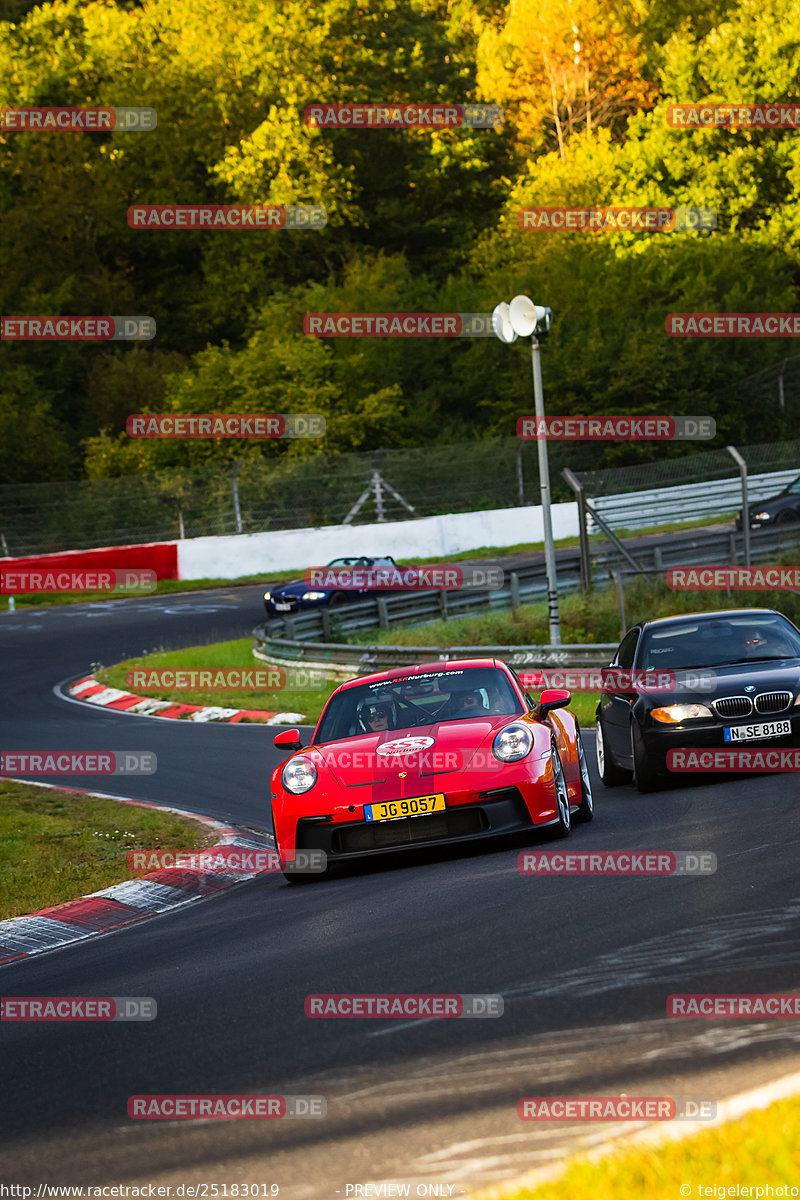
x: 585, y: 965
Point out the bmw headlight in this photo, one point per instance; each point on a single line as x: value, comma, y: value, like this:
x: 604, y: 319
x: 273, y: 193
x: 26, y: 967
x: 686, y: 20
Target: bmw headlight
x: 267, y: 595
x: 759, y: 516
x: 314, y: 595
x: 299, y: 775
x: 674, y: 713
x: 512, y: 743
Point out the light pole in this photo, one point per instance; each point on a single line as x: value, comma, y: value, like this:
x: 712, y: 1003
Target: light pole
x: 523, y: 318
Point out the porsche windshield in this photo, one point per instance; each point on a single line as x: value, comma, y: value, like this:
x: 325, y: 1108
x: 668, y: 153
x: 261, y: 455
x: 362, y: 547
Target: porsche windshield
x: 415, y: 700
x: 718, y: 641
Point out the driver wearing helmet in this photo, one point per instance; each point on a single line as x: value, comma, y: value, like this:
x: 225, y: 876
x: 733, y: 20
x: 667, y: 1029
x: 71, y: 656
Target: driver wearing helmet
x: 464, y: 701
x: 376, y: 716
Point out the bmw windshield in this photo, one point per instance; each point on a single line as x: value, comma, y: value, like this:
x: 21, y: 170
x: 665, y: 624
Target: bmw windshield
x: 718, y: 641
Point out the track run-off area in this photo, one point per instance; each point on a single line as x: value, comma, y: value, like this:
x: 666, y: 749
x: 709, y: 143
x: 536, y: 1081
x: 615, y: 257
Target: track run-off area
x: 584, y: 964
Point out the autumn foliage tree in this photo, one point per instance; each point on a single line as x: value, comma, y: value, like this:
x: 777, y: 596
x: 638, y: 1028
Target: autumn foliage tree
x: 562, y: 66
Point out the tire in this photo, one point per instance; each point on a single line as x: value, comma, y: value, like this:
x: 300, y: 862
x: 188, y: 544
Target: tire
x: 586, y: 809
x: 646, y: 778
x: 562, y: 828
x: 610, y: 773
x: 306, y: 876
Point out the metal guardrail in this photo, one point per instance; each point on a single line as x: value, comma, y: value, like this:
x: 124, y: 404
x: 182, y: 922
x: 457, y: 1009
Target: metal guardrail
x: 666, y: 505
x: 529, y: 583
x: 344, y: 662
x: 309, y: 638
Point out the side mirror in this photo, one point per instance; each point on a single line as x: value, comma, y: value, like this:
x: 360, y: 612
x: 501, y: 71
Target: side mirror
x: 553, y: 698
x: 288, y: 740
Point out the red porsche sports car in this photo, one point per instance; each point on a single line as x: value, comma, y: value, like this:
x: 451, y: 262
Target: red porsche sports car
x: 417, y: 756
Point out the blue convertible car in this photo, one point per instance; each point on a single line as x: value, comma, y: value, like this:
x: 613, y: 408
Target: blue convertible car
x: 299, y: 596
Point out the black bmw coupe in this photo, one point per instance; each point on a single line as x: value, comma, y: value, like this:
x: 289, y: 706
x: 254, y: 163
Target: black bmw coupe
x: 722, y: 679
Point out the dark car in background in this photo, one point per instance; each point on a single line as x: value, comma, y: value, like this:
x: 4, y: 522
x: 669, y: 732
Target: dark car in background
x: 299, y: 596
x: 731, y: 678
x: 779, y: 510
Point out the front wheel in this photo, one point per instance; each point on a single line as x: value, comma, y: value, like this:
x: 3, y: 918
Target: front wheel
x: 610, y: 773
x: 586, y: 809
x: 562, y: 828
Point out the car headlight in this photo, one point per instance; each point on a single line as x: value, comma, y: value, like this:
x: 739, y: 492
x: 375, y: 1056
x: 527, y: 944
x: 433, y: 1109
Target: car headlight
x: 673, y: 713
x: 267, y: 595
x: 765, y: 516
x: 512, y: 743
x: 314, y: 595
x: 299, y: 775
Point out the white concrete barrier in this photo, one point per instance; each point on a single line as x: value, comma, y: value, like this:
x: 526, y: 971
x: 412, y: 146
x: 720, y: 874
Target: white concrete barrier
x: 428, y: 537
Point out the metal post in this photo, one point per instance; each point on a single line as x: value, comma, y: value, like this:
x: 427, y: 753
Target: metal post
x: 578, y: 489
x: 520, y: 481
x: 237, y: 512
x: 376, y: 487
x: 617, y: 575
x: 742, y: 465
x: 781, y: 398
x: 514, y: 586
x: 5, y: 545
x: 544, y: 482
x: 181, y: 532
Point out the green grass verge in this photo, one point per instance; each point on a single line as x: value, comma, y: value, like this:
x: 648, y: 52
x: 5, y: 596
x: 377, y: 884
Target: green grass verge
x: 762, y: 1148
x: 222, y: 656
x: 57, y: 845
x: 238, y: 654
x: 594, y: 617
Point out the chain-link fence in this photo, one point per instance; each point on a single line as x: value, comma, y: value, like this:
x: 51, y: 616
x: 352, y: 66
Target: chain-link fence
x: 295, y: 492
x: 259, y: 494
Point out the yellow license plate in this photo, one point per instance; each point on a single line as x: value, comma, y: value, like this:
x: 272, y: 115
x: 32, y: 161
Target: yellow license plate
x: 417, y: 806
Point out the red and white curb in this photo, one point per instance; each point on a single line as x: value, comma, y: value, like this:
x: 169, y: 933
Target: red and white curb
x: 92, y: 692
x: 133, y: 900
